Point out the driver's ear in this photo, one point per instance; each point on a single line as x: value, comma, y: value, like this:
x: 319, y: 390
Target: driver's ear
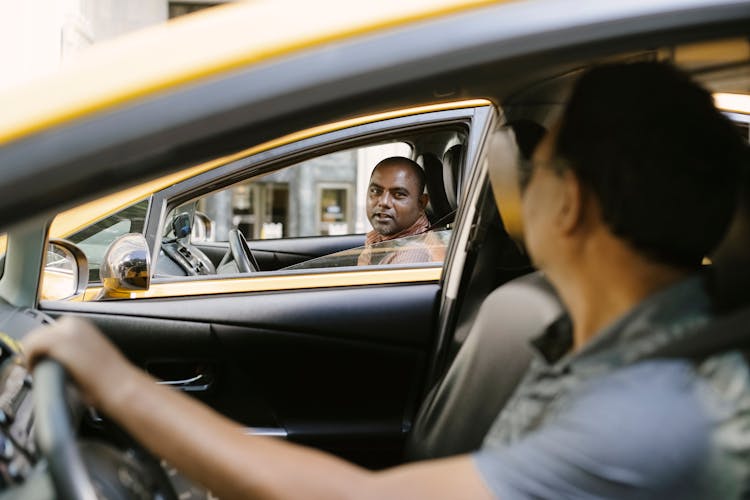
x: 572, y: 199
x: 424, y: 199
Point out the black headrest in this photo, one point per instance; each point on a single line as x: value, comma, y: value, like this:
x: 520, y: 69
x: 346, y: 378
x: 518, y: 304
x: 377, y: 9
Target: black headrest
x: 730, y: 272
x: 433, y: 173
x: 452, y: 161
x: 727, y: 280
x: 528, y: 135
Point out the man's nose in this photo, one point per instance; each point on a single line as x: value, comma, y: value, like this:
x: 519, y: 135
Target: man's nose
x: 385, y: 199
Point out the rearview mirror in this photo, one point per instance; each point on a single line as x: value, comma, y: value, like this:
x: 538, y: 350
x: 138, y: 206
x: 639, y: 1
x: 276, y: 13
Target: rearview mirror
x: 126, y: 267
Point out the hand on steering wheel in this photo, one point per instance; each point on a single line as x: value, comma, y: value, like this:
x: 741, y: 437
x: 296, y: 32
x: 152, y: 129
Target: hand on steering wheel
x: 55, y: 434
x: 241, y: 252
x: 87, y: 469
x: 81, y: 467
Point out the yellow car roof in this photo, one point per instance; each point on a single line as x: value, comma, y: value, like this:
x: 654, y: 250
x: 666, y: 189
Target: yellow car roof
x: 198, y: 46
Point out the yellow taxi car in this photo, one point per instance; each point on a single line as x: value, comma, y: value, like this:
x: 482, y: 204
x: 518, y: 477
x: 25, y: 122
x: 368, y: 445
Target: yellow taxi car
x: 121, y: 161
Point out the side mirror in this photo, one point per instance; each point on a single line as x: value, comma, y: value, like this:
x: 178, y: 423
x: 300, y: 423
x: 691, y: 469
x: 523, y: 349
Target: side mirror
x: 66, y: 271
x: 126, y: 267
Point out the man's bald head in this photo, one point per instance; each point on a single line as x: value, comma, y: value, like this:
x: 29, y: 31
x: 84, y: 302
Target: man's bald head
x: 406, y: 163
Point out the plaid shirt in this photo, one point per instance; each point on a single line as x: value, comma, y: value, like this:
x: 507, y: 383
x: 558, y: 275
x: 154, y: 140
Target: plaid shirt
x: 427, y: 249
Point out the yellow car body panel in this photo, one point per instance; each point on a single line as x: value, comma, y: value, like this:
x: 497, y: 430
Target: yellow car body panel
x: 228, y: 38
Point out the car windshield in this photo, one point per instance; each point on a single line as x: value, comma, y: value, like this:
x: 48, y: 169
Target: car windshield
x: 426, y: 248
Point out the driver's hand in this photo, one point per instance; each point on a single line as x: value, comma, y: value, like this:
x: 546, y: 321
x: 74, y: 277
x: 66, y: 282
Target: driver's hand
x: 95, y: 364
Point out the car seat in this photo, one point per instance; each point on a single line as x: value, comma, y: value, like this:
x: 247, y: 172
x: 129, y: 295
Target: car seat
x: 460, y: 409
x: 438, y: 207
x: 726, y: 281
x: 452, y: 162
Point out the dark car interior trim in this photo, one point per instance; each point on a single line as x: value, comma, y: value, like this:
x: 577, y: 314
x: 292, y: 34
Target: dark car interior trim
x: 343, y: 373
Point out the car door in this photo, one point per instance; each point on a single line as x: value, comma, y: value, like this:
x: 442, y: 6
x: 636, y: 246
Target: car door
x: 333, y: 358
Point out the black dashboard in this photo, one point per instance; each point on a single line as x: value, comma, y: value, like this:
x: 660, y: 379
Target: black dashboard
x: 17, y: 448
x: 18, y: 452
x: 116, y: 466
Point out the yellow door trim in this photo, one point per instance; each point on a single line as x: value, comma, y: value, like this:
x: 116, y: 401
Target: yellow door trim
x: 281, y: 282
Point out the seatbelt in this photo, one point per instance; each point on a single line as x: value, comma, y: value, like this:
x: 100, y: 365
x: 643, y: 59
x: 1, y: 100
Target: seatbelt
x: 723, y: 333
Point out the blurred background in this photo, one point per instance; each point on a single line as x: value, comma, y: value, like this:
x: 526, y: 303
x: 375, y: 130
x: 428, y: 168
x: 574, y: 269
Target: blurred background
x: 39, y: 35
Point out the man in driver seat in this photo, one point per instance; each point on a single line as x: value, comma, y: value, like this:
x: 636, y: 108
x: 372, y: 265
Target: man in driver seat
x: 623, y: 199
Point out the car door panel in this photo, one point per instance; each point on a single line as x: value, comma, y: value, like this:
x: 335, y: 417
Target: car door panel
x: 336, y: 368
x: 336, y: 360
x: 390, y: 313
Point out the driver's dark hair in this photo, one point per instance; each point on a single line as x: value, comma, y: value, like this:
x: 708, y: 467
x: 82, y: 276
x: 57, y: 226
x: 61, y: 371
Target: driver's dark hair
x: 406, y: 162
x: 662, y: 161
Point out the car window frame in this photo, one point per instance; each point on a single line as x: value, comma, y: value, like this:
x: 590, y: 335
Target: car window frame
x: 473, y: 118
x: 296, y: 152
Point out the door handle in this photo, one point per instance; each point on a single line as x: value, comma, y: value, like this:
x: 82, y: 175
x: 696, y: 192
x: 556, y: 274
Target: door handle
x: 186, y: 377
x: 199, y: 383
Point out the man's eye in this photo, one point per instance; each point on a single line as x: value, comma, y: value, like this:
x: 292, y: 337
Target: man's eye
x: 374, y: 190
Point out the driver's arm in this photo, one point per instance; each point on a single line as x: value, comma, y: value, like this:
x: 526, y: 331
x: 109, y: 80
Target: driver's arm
x: 214, y: 451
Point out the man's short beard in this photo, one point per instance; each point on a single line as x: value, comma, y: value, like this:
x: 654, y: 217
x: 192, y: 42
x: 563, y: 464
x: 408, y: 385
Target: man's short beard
x: 387, y: 231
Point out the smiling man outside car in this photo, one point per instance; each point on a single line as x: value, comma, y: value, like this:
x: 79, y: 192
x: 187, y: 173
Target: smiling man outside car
x: 621, y: 202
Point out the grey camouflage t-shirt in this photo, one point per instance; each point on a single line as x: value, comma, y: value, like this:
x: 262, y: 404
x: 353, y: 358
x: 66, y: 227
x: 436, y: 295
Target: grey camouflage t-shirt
x: 609, y: 422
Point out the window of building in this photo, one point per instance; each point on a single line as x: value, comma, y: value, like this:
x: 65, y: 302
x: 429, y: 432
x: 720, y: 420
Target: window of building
x: 333, y: 209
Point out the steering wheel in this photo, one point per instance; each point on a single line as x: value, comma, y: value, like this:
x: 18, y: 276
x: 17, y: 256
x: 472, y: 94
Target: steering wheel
x: 72, y: 463
x: 241, y: 252
x: 55, y: 435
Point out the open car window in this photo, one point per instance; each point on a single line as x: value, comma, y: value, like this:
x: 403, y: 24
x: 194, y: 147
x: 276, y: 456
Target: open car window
x: 308, y: 215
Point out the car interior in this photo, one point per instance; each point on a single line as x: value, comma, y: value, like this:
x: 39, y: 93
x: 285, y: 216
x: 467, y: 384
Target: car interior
x: 382, y: 374
x: 454, y: 420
